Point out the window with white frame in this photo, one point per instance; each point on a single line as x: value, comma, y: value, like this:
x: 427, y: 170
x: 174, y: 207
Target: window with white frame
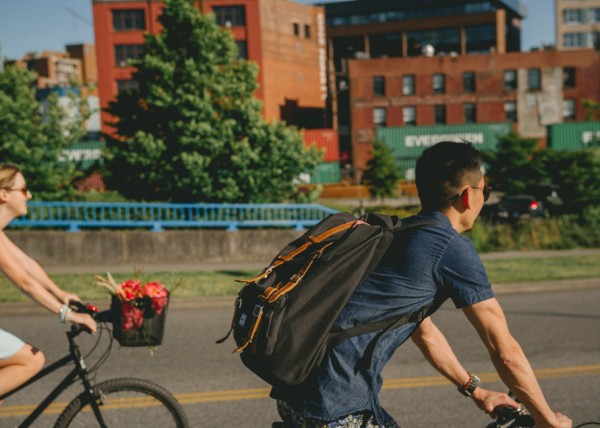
x: 510, y: 79
x: 569, y: 110
x: 408, y: 84
x: 439, y: 83
x: 379, y: 117
x: 409, y: 115
x: 510, y: 111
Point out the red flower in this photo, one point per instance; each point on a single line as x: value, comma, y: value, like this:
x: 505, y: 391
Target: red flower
x: 129, y: 290
x: 133, y: 318
x: 157, y: 293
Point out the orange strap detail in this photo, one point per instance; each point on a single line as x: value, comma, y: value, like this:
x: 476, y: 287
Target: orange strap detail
x: 312, y: 240
x: 297, y: 278
x: 252, y: 334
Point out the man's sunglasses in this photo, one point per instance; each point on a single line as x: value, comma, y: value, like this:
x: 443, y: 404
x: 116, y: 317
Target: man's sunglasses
x: 486, y: 191
x: 23, y: 190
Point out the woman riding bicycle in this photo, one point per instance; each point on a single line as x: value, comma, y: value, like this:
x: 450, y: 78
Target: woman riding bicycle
x: 20, y: 361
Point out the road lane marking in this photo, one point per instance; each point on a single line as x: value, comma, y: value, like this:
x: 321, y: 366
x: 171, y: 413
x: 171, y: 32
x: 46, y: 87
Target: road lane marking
x: 256, y: 393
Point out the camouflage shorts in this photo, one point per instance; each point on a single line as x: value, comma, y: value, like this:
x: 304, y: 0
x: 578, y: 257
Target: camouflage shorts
x: 293, y: 419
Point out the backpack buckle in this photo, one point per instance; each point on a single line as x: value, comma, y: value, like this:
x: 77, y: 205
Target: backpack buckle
x: 296, y: 278
x: 257, y: 310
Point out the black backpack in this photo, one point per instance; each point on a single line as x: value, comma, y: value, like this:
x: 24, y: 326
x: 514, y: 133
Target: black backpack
x: 284, y: 319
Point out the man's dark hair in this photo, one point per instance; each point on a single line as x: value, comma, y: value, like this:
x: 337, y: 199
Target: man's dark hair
x: 443, y: 170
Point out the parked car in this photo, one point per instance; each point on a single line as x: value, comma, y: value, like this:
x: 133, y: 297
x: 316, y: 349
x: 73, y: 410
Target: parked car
x: 549, y: 195
x: 516, y: 207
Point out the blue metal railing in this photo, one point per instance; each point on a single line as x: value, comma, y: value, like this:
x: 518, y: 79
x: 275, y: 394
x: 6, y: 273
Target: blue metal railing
x: 157, y: 216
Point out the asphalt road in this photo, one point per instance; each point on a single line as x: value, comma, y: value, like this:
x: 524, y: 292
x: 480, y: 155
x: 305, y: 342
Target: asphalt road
x: 559, y: 331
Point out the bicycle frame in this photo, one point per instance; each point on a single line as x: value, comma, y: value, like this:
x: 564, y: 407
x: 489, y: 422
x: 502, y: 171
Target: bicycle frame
x: 80, y: 371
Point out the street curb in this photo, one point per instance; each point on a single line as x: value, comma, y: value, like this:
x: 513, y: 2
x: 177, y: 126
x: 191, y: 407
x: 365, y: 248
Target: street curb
x: 219, y: 302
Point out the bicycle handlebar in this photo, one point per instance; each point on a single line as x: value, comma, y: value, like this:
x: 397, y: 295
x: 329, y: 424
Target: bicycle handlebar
x: 98, y: 316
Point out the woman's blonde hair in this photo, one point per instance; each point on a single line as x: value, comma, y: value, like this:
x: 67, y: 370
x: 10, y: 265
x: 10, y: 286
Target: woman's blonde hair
x: 7, y: 175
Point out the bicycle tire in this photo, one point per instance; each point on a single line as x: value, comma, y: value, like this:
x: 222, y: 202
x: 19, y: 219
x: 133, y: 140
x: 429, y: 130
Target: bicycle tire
x: 126, y: 402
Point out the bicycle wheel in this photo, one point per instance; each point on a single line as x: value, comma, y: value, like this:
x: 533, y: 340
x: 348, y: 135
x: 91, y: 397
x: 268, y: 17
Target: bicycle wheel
x: 126, y: 402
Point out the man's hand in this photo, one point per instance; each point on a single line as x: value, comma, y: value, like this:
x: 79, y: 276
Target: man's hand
x: 488, y: 400
x: 562, y: 421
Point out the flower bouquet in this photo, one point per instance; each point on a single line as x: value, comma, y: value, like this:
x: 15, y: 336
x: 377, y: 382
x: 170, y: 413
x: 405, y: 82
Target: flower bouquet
x: 138, y: 311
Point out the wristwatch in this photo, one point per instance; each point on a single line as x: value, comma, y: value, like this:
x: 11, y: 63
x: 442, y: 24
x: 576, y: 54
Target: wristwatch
x: 467, y: 390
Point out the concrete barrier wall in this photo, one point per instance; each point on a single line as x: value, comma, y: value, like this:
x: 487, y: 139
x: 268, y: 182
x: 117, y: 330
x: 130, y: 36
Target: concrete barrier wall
x: 58, y: 248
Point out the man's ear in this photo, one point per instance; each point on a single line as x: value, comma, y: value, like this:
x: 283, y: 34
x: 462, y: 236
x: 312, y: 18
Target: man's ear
x: 465, y: 198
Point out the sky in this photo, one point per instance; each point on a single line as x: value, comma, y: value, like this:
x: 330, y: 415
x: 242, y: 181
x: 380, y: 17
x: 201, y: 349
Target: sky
x: 37, y: 25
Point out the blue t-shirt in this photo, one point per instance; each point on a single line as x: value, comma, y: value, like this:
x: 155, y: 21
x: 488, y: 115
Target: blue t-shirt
x: 432, y: 264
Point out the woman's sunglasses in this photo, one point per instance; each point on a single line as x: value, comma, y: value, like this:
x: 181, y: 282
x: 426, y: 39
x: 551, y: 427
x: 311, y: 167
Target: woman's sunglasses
x: 23, y: 190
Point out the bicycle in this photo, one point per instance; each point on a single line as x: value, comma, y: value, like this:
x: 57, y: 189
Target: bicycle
x: 509, y: 417
x: 112, y: 403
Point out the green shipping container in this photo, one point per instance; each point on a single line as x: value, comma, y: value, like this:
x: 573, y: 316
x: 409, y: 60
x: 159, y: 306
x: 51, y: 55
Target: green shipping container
x: 325, y: 173
x: 574, y: 136
x: 408, y: 142
x: 84, y: 153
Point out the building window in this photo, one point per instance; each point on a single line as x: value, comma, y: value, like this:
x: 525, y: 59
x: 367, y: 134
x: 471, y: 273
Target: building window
x: 127, y: 85
x: 296, y: 29
x: 470, y: 113
x: 125, y: 53
x: 379, y: 86
x: 510, y: 80
x: 439, y: 83
x: 128, y: 19
x: 379, y: 117
x: 534, y: 79
x: 408, y: 84
x: 439, y: 114
x: 469, y: 81
x: 242, y: 49
x: 409, y: 115
x: 230, y: 16
x: 568, y: 77
x: 510, y: 111
x: 306, y: 31
x: 595, y: 14
x: 569, y: 110
x: 573, y: 16
x: 574, y: 40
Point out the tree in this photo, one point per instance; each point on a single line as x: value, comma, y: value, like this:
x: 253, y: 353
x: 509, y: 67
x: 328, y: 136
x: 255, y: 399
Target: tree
x: 192, y: 130
x: 577, y: 173
x: 592, y: 109
x: 382, y: 173
x: 35, y: 142
x: 516, y: 164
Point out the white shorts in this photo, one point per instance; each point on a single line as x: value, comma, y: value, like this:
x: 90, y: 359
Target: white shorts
x: 9, y: 344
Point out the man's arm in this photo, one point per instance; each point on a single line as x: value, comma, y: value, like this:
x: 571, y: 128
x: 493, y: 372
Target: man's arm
x: 511, y: 363
x: 437, y: 351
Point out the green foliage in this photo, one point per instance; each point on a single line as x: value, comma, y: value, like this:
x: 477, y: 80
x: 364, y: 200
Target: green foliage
x: 193, y: 130
x: 35, y: 143
x: 562, y: 232
x: 382, y: 173
x: 577, y: 173
x: 592, y: 109
x: 515, y: 164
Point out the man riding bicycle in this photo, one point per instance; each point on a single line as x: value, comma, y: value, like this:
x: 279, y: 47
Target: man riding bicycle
x: 432, y: 264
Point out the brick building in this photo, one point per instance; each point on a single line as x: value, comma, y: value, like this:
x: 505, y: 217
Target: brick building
x: 286, y: 40
x: 403, y: 28
x: 529, y: 90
